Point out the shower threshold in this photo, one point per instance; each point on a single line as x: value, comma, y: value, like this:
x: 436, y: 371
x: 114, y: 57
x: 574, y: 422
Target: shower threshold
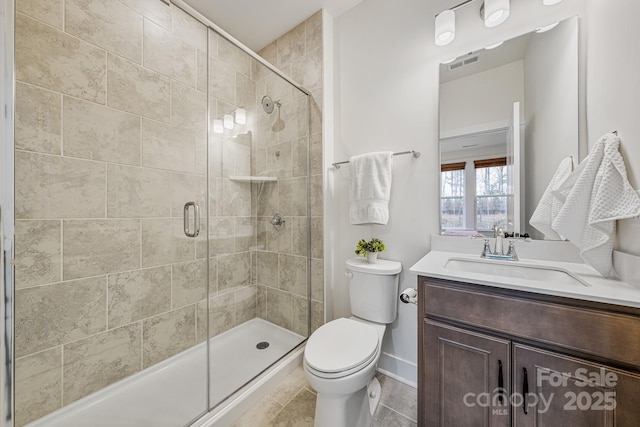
x: 173, y: 392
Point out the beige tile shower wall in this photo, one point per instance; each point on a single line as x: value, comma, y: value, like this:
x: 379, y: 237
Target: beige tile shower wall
x: 232, y: 229
x: 111, y: 132
x: 280, y: 150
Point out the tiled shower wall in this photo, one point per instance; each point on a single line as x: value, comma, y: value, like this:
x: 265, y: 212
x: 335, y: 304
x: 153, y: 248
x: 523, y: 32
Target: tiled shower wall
x: 281, y: 151
x: 110, y: 143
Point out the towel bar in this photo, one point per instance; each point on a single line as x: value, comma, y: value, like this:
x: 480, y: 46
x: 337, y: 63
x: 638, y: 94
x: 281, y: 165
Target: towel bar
x: 415, y: 154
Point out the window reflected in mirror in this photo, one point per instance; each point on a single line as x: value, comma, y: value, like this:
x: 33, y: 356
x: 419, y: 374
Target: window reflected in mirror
x: 491, y: 193
x: 452, y: 196
x: 488, y: 190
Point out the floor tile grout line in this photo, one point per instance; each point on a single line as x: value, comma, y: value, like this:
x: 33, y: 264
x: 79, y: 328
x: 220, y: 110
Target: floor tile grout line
x: 287, y: 404
x: 398, y: 412
x: 291, y: 398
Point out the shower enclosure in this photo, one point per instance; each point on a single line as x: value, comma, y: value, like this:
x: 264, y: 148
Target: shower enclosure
x: 162, y: 214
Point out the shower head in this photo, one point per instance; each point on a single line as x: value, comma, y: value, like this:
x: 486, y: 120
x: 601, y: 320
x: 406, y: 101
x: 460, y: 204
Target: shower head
x: 268, y: 104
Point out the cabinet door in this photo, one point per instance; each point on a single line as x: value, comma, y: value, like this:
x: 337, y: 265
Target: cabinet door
x: 563, y: 391
x: 463, y: 373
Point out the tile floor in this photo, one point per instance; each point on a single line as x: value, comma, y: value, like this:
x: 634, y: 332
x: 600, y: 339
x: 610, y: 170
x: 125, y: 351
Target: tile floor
x: 292, y: 403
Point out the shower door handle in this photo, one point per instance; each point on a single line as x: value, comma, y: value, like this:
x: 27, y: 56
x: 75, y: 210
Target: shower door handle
x: 196, y: 219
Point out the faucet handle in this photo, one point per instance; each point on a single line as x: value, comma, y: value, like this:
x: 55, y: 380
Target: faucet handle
x: 511, y: 252
x: 487, y: 248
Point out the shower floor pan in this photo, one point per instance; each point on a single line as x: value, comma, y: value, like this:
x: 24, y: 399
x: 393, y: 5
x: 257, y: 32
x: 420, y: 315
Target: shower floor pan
x: 172, y: 393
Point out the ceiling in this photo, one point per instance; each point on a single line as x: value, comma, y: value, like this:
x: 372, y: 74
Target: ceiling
x: 256, y: 23
x: 475, y: 140
x: 511, y: 51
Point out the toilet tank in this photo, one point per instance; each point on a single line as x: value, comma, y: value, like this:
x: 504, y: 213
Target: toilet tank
x: 373, y: 289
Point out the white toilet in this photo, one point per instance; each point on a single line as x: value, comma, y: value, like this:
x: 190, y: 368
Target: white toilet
x: 341, y: 356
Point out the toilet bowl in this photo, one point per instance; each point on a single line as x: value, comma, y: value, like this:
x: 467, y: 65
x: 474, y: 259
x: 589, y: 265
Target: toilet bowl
x: 340, y: 363
x: 341, y: 357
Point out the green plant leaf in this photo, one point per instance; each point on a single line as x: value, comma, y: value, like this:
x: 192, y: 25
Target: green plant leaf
x: 373, y: 245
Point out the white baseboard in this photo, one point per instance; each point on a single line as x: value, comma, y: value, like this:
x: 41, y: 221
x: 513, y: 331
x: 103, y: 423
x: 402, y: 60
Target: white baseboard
x: 399, y: 369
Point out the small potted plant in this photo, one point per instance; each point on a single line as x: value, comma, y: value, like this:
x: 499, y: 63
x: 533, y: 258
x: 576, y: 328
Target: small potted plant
x: 370, y: 249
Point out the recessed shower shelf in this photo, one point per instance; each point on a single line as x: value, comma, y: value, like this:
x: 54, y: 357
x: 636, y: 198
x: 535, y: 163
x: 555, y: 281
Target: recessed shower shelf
x: 253, y: 178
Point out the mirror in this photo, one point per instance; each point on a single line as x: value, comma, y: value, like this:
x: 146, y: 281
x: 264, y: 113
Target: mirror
x: 508, y: 117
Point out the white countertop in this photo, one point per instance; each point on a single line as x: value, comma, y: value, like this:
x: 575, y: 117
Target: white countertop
x: 599, y: 289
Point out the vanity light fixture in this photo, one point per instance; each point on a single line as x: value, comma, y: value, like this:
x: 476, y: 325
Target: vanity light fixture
x: 492, y: 12
x: 218, y: 127
x: 550, y: 2
x: 493, y: 46
x: 228, y: 121
x: 445, y: 27
x: 241, y: 116
x: 495, y: 12
x: 547, y: 27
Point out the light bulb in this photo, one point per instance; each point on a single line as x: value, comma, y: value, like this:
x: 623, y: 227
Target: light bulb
x: 445, y: 28
x: 493, y: 46
x: 218, y: 126
x: 241, y: 116
x: 495, y: 12
x: 228, y: 121
x: 547, y: 27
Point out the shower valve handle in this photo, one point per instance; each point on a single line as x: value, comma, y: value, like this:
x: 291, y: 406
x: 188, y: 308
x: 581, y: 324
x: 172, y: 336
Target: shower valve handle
x: 277, y: 221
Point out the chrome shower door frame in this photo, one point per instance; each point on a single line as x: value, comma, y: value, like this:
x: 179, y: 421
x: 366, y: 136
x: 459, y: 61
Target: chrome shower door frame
x: 7, y: 93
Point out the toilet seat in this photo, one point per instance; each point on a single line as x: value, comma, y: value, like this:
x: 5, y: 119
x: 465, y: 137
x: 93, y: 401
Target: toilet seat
x: 340, y: 348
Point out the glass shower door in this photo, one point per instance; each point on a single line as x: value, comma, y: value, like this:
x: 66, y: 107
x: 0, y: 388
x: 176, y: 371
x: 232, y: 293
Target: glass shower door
x: 259, y: 217
x: 110, y: 280
x: 130, y: 118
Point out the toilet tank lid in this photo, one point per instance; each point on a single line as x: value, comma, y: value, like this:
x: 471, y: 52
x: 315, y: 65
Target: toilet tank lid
x: 382, y: 266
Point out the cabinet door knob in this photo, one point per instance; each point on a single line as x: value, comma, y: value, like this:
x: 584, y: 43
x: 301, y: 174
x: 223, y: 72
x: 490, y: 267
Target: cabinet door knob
x: 500, y: 383
x: 525, y: 391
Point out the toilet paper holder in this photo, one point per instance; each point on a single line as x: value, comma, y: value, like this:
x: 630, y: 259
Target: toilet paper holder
x: 409, y: 296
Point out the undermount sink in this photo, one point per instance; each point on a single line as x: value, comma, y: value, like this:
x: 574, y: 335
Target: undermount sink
x: 551, y: 275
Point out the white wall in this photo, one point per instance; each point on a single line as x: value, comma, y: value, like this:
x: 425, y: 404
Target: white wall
x: 481, y: 101
x: 386, y: 93
x: 470, y: 154
x: 386, y: 99
x: 613, y: 103
x: 551, y: 113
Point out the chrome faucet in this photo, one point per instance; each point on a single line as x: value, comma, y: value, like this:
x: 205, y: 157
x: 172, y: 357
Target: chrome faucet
x: 498, y: 252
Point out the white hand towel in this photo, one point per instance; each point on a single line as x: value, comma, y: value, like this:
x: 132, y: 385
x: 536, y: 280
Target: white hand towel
x: 595, y: 195
x: 370, y: 188
x: 548, y: 206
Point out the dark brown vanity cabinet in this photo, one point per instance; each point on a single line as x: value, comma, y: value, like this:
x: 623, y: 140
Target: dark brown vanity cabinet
x: 495, y: 357
x: 465, y: 371
x: 576, y: 392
